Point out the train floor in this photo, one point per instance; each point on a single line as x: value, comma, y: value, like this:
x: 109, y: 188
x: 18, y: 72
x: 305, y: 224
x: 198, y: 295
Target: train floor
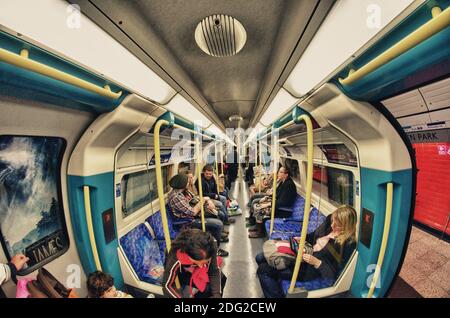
x: 240, y: 266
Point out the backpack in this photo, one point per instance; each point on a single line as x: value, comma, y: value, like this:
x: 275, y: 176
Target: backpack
x: 278, y: 254
x: 47, y: 286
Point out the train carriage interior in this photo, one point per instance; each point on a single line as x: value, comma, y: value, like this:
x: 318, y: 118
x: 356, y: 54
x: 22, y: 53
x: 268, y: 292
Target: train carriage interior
x: 102, y: 103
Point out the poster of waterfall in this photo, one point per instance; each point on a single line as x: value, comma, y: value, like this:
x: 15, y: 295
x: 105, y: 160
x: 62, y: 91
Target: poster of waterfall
x: 31, y: 220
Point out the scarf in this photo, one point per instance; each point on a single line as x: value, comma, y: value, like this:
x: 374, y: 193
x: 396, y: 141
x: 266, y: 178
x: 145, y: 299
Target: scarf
x: 323, y: 241
x: 199, y: 274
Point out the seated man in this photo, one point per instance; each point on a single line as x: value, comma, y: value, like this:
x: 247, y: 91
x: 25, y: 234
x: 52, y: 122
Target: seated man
x: 179, y: 204
x: 209, y: 189
x: 285, y: 197
x: 212, y: 204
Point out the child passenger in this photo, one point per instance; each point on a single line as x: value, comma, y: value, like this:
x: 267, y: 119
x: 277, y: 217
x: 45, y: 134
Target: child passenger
x: 101, y: 285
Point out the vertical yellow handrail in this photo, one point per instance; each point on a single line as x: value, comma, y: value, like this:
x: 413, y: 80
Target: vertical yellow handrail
x: 385, y: 239
x: 274, y: 185
x: 260, y: 166
x: 90, y: 227
x: 217, y: 168
x: 307, y: 209
x: 159, y: 181
x: 221, y: 158
x: 200, y: 186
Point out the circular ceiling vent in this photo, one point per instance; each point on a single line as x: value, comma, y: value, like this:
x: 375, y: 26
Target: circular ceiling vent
x: 220, y: 35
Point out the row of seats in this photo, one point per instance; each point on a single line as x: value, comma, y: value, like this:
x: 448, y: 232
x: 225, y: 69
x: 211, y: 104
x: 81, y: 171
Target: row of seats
x: 145, y: 246
x: 284, y: 228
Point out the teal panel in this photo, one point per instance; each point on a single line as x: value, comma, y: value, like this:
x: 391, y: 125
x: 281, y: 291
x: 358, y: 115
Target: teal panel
x: 22, y: 83
x: 373, y: 198
x: 428, y: 60
x: 102, y: 199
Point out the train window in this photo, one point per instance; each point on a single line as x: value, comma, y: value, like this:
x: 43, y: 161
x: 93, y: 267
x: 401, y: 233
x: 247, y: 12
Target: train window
x: 183, y: 167
x: 292, y: 165
x: 333, y: 184
x: 31, y: 214
x: 139, y: 189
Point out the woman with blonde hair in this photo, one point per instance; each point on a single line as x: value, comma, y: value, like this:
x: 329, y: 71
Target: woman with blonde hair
x: 326, y: 253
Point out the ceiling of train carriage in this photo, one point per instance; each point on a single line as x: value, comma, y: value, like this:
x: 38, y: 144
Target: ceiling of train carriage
x: 242, y: 84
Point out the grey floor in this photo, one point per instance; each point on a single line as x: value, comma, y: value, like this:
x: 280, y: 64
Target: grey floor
x: 240, y: 266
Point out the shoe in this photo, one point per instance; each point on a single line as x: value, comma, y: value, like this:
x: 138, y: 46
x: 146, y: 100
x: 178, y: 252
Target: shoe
x: 230, y: 221
x: 256, y: 234
x: 224, y: 239
x: 253, y: 229
x: 224, y: 235
x: 225, y: 231
x: 222, y: 253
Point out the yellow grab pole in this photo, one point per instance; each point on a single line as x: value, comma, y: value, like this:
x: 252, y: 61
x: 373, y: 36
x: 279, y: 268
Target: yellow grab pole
x: 309, y: 182
x: 384, y: 240
x: 22, y: 60
x: 221, y: 159
x: 440, y: 20
x: 159, y: 182
x: 260, y: 166
x: 217, y: 168
x: 274, y: 185
x: 199, y: 178
x: 90, y: 227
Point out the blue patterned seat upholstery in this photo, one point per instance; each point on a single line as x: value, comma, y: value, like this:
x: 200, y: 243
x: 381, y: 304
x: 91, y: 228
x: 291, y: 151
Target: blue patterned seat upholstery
x: 284, y: 228
x: 143, y: 253
x: 297, y: 209
x: 155, y: 222
x: 162, y: 250
x: 311, y: 285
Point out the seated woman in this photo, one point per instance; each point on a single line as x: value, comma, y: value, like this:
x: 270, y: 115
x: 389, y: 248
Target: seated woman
x: 192, y: 262
x: 332, y: 245
x: 179, y: 204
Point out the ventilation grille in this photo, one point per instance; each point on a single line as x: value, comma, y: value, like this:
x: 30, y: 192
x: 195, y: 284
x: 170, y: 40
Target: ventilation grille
x: 220, y: 35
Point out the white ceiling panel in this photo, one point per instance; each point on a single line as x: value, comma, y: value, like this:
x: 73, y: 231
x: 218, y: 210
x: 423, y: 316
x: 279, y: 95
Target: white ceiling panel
x: 440, y: 115
x: 415, y: 120
x: 437, y: 95
x: 406, y: 104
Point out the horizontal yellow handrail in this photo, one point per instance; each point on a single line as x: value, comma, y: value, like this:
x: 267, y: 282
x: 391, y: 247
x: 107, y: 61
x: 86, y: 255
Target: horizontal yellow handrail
x: 440, y: 20
x: 385, y: 238
x: 25, y: 62
x: 90, y: 228
x: 307, y: 208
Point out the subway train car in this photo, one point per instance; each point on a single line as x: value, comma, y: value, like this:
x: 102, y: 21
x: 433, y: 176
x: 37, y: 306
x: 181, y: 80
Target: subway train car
x: 103, y: 102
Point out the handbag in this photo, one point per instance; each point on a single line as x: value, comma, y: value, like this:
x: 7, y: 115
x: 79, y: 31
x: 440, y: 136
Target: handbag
x: 47, y: 286
x: 212, y: 213
x: 278, y: 254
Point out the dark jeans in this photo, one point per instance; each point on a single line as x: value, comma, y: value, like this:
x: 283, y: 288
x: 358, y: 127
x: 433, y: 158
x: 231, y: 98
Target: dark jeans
x: 213, y: 226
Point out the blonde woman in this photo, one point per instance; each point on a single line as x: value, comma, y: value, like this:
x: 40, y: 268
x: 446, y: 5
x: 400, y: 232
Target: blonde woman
x: 328, y: 251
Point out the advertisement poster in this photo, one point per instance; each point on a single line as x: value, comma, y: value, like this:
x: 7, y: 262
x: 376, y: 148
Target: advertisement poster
x: 30, y: 217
